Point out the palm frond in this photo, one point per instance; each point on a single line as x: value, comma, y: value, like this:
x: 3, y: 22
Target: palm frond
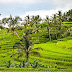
x: 20, y: 55
x: 13, y: 55
x: 36, y: 53
x: 16, y: 34
x: 30, y: 47
x: 17, y: 52
x: 19, y: 46
x: 4, y: 20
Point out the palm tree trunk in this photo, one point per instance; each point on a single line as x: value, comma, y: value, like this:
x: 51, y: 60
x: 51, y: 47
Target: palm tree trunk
x: 60, y: 29
x: 56, y: 36
x: 56, y: 33
x: 38, y: 36
x: 27, y: 59
x: 60, y: 26
x: 37, y: 32
x: 49, y: 33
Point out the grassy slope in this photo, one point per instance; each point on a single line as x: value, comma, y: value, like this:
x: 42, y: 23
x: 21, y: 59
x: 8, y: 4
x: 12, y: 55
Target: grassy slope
x: 55, y: 52
x: 67, y: 22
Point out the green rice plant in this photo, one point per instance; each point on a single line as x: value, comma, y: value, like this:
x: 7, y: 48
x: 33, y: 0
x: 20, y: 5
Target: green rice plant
x: 64, y: 44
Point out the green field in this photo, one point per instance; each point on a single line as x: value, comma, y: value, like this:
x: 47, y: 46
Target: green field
x: 55, y: 53
x: 67, y: 22
x: 34, y: 70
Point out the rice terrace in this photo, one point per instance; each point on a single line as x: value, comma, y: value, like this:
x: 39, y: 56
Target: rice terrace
x: 36, y: 44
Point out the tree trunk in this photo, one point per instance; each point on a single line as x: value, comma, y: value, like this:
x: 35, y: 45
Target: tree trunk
x: 49, y: 33
x: 38, y: 36
x: 49, y: 30
x: 60, y: 29
x: 37, y: 33
x: 56, y: 33
x: 56, y: 36
x: 27, y: 59
x: 50, y: 37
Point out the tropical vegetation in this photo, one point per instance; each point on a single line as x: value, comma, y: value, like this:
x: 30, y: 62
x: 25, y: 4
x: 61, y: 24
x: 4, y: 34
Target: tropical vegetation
x: 35, y: 44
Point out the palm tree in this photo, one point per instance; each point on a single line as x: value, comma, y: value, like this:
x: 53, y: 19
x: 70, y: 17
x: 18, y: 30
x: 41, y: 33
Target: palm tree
x: 55, y: 23
x: 25, y: 46
x: 36, y: 20
x: 26, y: 21
x: 28, y: 18
x: 47, y: 19
x: 60, y: 20
x: 64, y: 17
x: 12, y: 23
x: 69, y: 15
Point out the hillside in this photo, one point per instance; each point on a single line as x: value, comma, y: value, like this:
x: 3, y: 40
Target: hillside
x: 55, y: 53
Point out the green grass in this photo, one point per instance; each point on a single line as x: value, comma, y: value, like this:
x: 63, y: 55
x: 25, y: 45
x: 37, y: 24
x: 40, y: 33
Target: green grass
x: 67, y: 22
x: 33, y: 70
x: 64, y: 44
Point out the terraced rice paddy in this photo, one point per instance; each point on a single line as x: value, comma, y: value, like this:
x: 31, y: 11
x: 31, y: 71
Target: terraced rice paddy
x: 55, y: 54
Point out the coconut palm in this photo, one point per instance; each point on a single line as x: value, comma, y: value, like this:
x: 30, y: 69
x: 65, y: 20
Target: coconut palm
x: 60, y: 21
x: 54, y: 20
x: 12, y: 23
x: 69, y: 15
x: 47, y: 20
x: 25, y: 46
x: 36, y: 19
x: 64, y: 17
x: 28, y: 18
x: 26, y: 21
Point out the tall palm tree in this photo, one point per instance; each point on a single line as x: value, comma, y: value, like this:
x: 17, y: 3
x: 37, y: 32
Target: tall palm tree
x: 60, y: 21
x: 26, y: 21
x: 55, y: 23
x: 28, y: 18
x: 36, y: 20
x: 69, y: 15
x: 25, y: 46
x: 12, y: 23
x: 64, y: 17
x: 47, y: 19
